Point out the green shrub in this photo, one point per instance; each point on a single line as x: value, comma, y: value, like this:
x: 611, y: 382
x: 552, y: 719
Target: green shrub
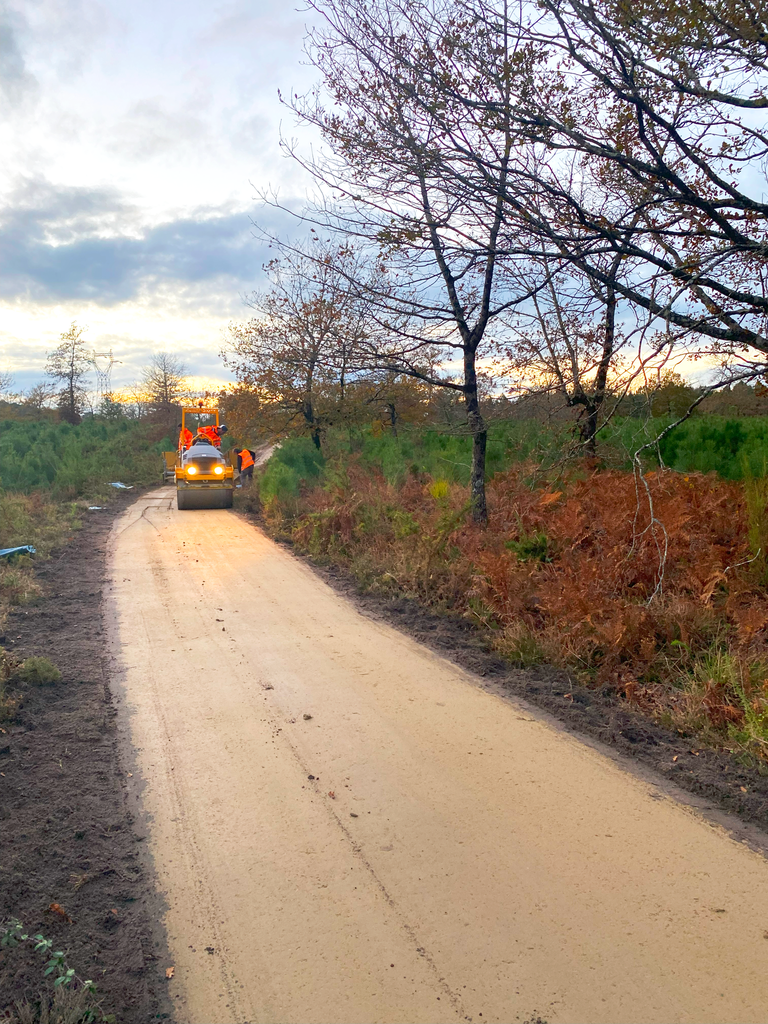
x: 70, y: 461
x: 300, y: 455
x: 439, y: 489
x: 39, y: 672
x: 732, y: 448
x: 442, y: 455
x: 279, y: 482
x: 296, y: 460
x: 712, y: 444
x: 531, y: 547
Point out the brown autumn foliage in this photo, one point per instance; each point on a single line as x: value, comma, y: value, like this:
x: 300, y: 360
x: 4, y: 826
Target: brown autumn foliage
x: 671, y: 612
x: 617, y: 588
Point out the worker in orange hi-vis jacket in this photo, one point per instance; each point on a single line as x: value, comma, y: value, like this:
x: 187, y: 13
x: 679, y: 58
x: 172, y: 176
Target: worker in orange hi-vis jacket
x: 185, y: 438
x: 246, y: 463
x: 213, y: 434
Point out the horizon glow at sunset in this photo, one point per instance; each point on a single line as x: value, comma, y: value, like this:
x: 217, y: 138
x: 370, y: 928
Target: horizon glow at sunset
x: 135, y: 139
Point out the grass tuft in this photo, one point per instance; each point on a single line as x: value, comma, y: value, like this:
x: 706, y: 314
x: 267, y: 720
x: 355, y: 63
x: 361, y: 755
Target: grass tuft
x: 75, y: 1004
x: 38, y: 671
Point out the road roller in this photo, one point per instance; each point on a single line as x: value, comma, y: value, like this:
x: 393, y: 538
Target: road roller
x: 204, y: 476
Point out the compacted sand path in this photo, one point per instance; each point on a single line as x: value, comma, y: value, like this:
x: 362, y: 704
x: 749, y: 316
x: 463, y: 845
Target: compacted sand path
x: 348, y: 829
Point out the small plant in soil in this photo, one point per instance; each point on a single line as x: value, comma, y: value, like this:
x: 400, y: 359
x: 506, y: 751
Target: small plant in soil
x: 66, y: 999
x: 39, y: 672
x: 533, y: 547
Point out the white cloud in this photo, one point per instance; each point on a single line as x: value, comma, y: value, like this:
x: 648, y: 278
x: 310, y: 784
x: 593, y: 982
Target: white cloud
x: 148, y: 130
x: 17, y: 83
x: 132, y: 330
x: 133, y: 139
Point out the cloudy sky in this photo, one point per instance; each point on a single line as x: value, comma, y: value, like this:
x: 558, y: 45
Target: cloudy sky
x: 134, y: 138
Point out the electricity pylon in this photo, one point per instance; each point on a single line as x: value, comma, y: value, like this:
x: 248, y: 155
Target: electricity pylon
x: 102, y: 363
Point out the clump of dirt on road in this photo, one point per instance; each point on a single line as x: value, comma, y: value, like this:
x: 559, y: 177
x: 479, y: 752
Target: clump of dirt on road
x: 67, y: 838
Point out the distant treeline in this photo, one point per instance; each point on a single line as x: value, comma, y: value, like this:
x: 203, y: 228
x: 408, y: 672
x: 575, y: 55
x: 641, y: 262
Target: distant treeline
x: 667, y: 400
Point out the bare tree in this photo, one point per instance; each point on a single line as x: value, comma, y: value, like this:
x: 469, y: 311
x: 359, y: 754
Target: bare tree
x: 482, y: 154
x: 164, y: 382
x: 40, y: 395
x: 665, y: 98
x: 401, y: 397
x: 301, y: 352
x: 421, y: 178
x: 69, y: 365
x: 568, y: 345
x: 136, y: 400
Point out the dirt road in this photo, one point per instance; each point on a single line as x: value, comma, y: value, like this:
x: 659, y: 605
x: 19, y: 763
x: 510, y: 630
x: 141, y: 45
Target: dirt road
x: 348, y: 829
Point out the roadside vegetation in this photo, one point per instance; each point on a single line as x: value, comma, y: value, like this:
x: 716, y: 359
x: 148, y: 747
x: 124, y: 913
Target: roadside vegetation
x: 49, y: 473
x: 74, y: 461
x: 60, y: 454
x: 734, y: 449
x: 652, y: 586
x: 64, y: 997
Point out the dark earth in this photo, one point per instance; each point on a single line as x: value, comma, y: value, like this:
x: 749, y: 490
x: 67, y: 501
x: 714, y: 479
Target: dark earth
x: 67, y: 834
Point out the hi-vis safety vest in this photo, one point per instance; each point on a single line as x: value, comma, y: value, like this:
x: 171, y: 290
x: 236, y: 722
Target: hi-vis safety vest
x: 210, y: 432
x: 245, y: 459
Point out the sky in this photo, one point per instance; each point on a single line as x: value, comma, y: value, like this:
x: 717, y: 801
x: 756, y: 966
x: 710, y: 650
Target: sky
x: 134, y: 140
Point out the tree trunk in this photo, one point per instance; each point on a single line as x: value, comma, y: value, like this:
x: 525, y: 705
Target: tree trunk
x: 477, y: 480
x: 594, y: 405
x: 588, y: 429
x: 309, y: 418
x: 392, y: 417
x: 479, y: 433
x: 68, y: 403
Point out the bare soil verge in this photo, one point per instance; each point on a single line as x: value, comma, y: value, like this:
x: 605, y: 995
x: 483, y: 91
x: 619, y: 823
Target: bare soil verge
x: 66, y: 834
x: 601, y: 714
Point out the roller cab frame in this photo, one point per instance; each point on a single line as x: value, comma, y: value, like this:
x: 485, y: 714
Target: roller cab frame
x: 204, y: 476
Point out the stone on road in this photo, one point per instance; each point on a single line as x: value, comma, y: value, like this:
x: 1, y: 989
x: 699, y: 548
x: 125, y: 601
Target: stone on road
x: 348, y: 829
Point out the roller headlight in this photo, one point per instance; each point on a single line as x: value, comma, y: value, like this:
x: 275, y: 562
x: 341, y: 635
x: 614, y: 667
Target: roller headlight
x: 191, y: 470
x: 218, y: 470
